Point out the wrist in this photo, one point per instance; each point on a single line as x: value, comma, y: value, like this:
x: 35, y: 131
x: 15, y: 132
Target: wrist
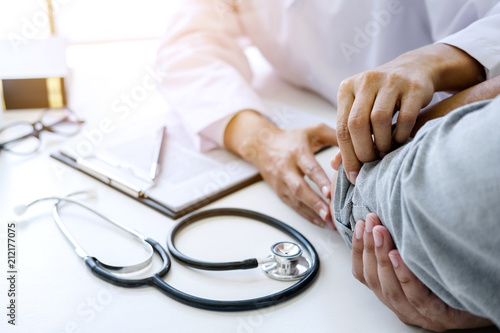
x: 451, y: 68
x: 247, y: 133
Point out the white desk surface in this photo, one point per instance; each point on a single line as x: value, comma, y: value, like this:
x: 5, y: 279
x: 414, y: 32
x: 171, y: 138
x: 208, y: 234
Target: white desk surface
x: 56, y: 291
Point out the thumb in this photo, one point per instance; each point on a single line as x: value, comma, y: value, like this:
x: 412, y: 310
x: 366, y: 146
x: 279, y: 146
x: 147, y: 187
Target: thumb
x: 322, y: 135
x: 336, y: 160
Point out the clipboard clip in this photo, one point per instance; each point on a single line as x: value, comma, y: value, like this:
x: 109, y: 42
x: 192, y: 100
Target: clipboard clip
x: 116, y: 181
x: 105, y: 176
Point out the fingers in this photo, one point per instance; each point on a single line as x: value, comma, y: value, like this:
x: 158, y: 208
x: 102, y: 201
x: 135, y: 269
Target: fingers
x: 434, y: 313
x: 383, y: 244
x: 310, y: 167
x: 332, y: 191
x: 369, y: 257
x: 421, y: 301
x: 305, y: 200
x: 322, y: 135
x: 303, y: 210
x: 373, y: 266
x: 364, y: 261
x: 285, y: 161
x: 396, y: 286
x: 381, y: 120
x: 410, y: 107
x: 391, y: 288
x: 376, y: 268
x: 360, y: 127
x: 367, y: 102
x: 357, y: 251
x: 416, y: 292
x: 432, y: 310
x: 318, y: 136
x: 345, y: 100
x: 336, y: 160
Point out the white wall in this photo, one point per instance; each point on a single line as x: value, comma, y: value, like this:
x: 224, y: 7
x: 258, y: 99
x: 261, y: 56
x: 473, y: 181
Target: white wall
x: 83, y: 21
x: 23, y: 19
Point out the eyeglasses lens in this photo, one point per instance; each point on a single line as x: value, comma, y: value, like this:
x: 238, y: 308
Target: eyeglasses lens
x: 17, y: 138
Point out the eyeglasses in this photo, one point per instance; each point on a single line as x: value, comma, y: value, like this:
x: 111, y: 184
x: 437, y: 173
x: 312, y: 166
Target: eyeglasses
x: 23, y: 138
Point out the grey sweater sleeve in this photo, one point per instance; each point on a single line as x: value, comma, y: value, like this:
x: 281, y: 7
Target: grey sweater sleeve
x: 439, y: 197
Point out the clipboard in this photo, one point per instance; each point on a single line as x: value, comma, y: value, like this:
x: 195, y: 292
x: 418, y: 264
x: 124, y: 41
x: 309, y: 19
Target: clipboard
x: 150, y: 201
x: 189, y: 179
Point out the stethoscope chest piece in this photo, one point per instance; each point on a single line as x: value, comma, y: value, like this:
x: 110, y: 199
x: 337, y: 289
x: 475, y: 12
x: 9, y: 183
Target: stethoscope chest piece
x: 286, y: 262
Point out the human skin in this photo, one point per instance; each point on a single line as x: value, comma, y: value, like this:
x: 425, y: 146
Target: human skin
x: 377, y: 263
x: 482, y: 91
x: 284, y: 158
x: 367, y: 101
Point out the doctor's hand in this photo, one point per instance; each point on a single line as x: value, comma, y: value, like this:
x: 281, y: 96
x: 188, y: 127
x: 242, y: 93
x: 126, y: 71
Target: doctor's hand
x: 368, y: 101
x: 377, y: 264
x: 284, y: 158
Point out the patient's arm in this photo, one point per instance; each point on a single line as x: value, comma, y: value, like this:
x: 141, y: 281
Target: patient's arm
x: 485, y: 90
x: 438, y: 198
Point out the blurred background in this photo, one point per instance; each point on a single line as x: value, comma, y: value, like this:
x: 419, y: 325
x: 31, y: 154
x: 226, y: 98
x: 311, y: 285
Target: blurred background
x: 86, y: 21
x: 109, y: 48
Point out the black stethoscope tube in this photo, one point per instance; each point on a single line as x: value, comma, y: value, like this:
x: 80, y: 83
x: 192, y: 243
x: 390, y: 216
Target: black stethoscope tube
x: 105, y: 275
x: 194, y: 301
x: 155, y: 280
x: 233, y: 265
x: 208, y: 304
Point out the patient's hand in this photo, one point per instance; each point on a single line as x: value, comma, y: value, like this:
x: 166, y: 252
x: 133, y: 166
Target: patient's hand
x: 377, y: 264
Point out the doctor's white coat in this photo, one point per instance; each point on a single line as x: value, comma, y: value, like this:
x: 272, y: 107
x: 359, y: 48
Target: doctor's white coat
x: 313, y: 44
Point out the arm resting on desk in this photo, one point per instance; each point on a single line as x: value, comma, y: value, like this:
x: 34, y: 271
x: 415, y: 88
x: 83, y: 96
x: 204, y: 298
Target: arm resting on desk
x: 283, y: 158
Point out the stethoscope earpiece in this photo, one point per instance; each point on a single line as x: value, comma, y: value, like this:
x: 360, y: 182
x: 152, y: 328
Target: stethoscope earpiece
x: 286, y: 262
x: 92, y: 195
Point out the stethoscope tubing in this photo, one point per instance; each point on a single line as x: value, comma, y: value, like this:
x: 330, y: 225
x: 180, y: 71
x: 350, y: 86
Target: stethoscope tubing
x: 155, y: 280
x: 96, y: 268
x: 233, y: 265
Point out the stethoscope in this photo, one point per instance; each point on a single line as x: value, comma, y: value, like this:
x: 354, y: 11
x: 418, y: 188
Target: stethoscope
x: 286, y: 262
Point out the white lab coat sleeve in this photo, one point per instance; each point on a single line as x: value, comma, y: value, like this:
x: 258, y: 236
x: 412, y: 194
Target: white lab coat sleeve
x: 206, y: 77
x: 481, y: 39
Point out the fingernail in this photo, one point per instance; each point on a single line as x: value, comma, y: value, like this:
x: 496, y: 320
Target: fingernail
x: 382, y: 155
x: 319, y: 222
x: 358, y: 230
x: 325, y: 190
x: 352, y: 176
x: 378, y: 239
x: 394, y: 259
x: 322, y: 213
x: 371, y: 217
x: 369, y: 226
